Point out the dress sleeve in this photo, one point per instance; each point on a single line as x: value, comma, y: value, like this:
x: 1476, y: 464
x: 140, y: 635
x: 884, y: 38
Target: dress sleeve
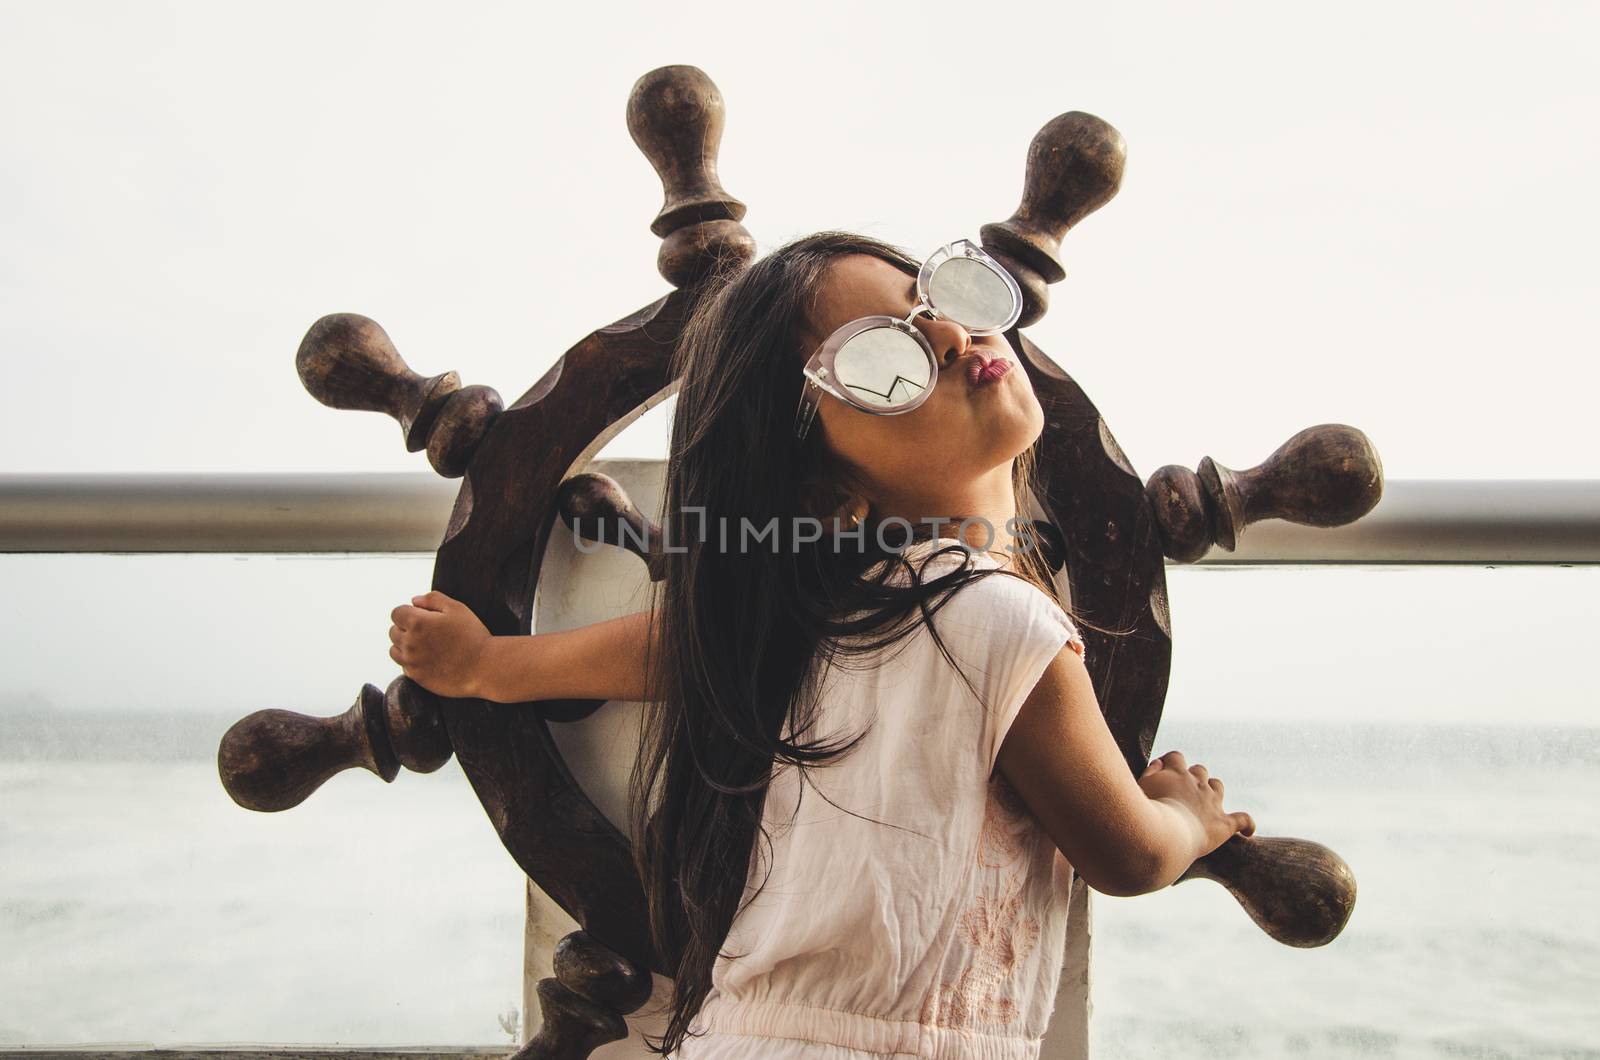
x: 1004, y: 631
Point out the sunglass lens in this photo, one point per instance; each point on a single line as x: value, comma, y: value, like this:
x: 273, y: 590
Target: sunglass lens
x: 883, y: 367
x: 971, y: 293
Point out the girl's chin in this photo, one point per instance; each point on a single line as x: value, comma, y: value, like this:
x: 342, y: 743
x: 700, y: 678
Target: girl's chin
x: 1000, y: 449
x: 1009, y: 430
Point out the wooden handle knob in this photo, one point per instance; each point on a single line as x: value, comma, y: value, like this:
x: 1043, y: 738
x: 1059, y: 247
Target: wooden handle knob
x: 1299, y: 892
x: 600, y: 974
x: 1074, y: 167
x: 1326, y: 475
x: 346, y: 361
x: 274, y: 759
x: 583, y: 1005
x: 675, y: 116
x: 597, y: 509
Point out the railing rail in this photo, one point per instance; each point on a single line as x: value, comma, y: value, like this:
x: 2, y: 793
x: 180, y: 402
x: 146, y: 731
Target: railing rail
x: 1460, y: 521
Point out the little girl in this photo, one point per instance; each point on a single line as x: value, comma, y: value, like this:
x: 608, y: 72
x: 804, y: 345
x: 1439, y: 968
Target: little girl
x: 927, y: 687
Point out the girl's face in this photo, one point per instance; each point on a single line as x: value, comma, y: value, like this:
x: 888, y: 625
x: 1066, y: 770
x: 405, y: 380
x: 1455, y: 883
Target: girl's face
x: 952, y: 454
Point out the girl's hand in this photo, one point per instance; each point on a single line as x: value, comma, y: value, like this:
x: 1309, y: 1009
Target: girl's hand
x: 440, y: 644
x: 1191, y: 788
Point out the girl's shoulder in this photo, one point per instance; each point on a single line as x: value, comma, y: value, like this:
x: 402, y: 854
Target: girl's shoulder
x: 996, y: 605
x: 1003, y: 631
x: 995, y: 613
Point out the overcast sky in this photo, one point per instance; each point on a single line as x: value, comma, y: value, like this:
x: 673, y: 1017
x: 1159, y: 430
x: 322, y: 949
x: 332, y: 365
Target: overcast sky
x: 1374, y: 214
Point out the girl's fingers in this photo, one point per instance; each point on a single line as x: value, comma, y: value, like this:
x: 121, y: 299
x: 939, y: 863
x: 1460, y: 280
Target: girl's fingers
x: 1152, y: 767
x: 432, y: 600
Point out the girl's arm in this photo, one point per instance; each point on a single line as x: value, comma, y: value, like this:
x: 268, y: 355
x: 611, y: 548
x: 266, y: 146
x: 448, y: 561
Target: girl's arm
x: 603, y: 660
x: 1124, y: 835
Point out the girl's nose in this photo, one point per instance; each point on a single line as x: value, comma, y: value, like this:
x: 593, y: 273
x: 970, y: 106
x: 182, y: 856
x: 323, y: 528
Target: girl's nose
x: 948, y: 339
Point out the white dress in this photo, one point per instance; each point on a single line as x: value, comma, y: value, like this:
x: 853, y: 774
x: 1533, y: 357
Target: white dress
x: 940, y: 933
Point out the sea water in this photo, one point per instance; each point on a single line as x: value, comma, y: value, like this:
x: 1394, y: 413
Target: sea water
x: 139, y: 904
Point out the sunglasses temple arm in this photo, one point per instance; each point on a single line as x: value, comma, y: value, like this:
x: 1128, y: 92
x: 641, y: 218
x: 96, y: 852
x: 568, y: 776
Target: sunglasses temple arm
x: 805, y: 410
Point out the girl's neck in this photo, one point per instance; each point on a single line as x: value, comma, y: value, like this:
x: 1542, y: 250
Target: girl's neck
x: 989, y: 502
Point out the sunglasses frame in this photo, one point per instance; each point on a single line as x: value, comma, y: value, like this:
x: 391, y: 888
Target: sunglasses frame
x: 820, y: 372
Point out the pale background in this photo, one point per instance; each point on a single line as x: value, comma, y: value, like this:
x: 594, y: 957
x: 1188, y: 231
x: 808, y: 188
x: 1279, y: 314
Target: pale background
x: 1379, y: 214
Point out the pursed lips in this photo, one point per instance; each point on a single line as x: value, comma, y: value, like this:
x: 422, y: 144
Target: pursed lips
x: 981, y: 370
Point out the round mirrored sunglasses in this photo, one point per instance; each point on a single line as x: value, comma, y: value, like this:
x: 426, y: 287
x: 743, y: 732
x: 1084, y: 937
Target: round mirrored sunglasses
x: 884, y: 365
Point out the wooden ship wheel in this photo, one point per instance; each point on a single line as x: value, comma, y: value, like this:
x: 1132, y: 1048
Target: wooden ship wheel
x: 521, y: 467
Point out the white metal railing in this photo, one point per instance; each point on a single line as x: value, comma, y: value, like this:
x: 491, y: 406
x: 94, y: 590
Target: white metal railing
x: 1466, y: 521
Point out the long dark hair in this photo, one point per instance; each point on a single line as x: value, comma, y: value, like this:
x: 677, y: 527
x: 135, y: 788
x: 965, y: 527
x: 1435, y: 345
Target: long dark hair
x: 741, y: 625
